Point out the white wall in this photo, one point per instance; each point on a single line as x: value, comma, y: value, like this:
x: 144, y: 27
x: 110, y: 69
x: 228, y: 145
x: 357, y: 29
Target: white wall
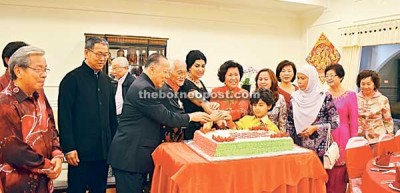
x: 256, y: 39
x: 342, y: 13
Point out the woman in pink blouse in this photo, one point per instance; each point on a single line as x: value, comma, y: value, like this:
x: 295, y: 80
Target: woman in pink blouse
x: 230, y: 97
x: 346, y: 106
x: 374, y: 117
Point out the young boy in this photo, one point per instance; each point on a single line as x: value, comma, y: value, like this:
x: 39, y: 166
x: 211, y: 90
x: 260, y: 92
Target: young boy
x: 262, y: 101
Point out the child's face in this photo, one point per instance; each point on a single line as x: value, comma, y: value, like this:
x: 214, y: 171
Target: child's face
x: 260, y: 109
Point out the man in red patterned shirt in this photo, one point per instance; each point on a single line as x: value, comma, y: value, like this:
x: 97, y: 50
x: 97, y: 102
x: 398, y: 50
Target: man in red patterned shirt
x: 30, y: 154
x: 7, y: 52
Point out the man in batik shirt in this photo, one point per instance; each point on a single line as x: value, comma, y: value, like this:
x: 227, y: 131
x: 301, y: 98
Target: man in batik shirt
x: 30, y: 155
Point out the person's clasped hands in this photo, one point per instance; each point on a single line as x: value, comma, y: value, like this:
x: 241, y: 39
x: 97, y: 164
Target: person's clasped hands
x: 55, y: 171
x: 310, y: 130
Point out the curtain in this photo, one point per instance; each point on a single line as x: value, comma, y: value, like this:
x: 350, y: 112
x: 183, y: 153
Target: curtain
x: 351, y: 58
x: 352, y: 39
x: 385, y: 32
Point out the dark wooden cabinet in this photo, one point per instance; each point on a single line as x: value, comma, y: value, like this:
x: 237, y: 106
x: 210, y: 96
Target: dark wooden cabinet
x: 136, y: 48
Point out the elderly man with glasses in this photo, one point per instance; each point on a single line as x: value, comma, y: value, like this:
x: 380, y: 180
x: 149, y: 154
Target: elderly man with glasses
x: 30, y: 154
x: 87, y: 119
x: 124, y: 79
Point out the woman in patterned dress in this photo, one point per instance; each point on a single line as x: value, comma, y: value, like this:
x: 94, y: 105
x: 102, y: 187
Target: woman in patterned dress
x: 311, y: 113
x: 266, y: 79
x: 374, y: 117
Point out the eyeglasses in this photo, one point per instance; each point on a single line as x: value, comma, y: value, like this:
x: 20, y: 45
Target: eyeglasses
x: 39, y: 70
x: 99, y: 54
x: 330, y: 76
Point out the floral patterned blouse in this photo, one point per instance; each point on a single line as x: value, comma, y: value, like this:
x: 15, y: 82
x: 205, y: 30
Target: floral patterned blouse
x: 327, y: 117
x: 278, y: 114
x: 236, y: 100
x: 28, y: 141
x: 374, y: 117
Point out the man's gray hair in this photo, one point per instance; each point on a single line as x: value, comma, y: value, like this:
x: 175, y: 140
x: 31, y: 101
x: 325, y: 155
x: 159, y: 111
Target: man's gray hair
x: 90, y: 42
x: 21, y: 58
x: 173, y: 63
x: 122, y: 61
x: 153, y: 59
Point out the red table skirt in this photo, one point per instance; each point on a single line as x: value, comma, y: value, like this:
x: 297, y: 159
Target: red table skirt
x: 180, y: 169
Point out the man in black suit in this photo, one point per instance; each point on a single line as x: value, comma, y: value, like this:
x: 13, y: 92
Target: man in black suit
x: 138, y: 133
x: 87, y: 119
x: 124, y: 79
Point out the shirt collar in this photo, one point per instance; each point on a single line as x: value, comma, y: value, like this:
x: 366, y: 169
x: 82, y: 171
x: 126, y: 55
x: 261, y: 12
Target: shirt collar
x: 20, y: 95
x: 122, y: 79
x: 87, y: 68
x: 265, y: 119
x: 172, y: 84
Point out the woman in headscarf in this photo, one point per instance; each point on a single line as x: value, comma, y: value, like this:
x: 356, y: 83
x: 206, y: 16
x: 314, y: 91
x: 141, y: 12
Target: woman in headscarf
x: 311, y: 112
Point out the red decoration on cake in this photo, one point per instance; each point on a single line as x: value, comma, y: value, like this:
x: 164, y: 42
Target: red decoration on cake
x: 255, y: 128
x: 279, y: 134
x: 223, y: 139
x: 247, y: 135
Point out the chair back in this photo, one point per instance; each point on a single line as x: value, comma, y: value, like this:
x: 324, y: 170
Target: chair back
x: 385, y: 144
x: 358, y: 153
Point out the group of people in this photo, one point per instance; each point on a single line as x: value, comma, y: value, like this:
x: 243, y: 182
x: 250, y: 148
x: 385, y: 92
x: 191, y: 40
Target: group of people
x: 120, y: 121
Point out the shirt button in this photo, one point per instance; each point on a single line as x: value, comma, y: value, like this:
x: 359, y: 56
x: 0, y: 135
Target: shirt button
x: 98, y: 89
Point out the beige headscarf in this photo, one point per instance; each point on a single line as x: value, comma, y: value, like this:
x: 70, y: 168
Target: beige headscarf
x: 307, y: 104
